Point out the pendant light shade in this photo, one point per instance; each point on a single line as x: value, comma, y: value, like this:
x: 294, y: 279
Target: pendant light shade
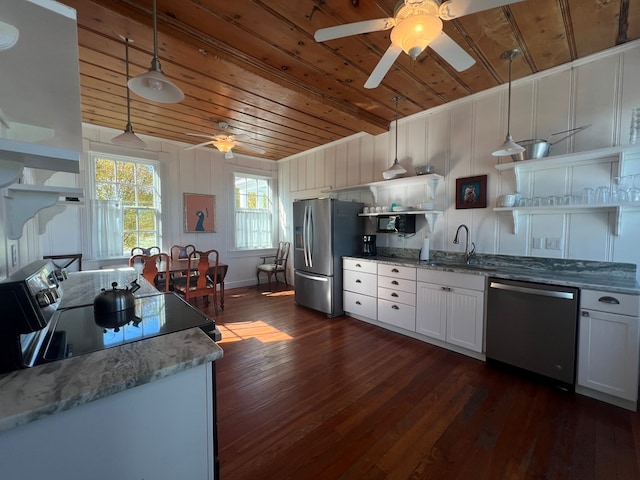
x: 396, y: 169
x: 153, y: 85
x: 509, y: 147
x: 128, y: 138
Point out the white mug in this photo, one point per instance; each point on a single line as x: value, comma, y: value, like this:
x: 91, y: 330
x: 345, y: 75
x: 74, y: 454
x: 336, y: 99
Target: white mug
x: 365, y: 210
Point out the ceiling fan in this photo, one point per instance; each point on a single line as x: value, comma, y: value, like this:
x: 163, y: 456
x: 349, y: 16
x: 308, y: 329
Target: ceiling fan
x: 224, y: 141
x: 415, y: 25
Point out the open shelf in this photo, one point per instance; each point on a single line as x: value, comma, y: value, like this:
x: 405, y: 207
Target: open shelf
x: 430, y: 215
x: 430, y: 179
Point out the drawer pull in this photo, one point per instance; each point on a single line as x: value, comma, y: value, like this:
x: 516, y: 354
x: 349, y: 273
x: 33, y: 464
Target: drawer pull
x: 609, y: 300
x: 584, y: 313
x: 395, y: 270
x: 394, y: 294
x: 358, y: 302
x: 395, y: 307
x: 394, y: 282
x: 445, y: 289
x: 358, y: 265
x: 358, y: 281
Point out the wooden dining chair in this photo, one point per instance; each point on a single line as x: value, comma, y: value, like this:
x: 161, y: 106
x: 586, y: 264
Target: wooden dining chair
x: 202, y: 277
x: 278, y: 264
x: 180, y: 251
x: 155, y: 269
x: 145, y: 250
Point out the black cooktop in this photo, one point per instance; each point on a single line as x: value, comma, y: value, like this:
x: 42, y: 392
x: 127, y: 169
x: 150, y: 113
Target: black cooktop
x: 77, y: 331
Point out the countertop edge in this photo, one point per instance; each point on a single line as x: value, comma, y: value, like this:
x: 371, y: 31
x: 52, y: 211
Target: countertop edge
x: 29, y: 394
x: 557, y: 278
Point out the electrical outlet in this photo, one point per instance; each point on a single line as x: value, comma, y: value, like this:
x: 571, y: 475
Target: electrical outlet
x: 552, y: 244
x: 537, y: 242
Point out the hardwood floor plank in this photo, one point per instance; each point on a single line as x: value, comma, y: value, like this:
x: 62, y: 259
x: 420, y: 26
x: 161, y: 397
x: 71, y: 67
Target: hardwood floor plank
x: 303, y: 397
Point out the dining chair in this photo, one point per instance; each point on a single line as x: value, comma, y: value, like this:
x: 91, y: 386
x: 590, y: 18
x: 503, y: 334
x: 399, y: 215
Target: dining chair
x: 201, y: 278
x: 180, y: 251
x: 145, y: 250
x: 155, y: 269
x: 279, y: 264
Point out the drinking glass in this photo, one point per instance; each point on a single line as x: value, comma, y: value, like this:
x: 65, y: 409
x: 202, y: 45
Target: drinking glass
x: 587, y: 195
x: 602, y: 194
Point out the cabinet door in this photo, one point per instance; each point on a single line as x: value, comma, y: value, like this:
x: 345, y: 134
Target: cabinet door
x: 608, y: 353
x: 465, y: 310
x: 431, y: 310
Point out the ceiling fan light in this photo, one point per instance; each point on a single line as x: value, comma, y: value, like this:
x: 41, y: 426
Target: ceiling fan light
x: 509, y: 147
x: 223, y: 145
x: 228, y: 155
x: 414, y: 33
x: 155, y: 86
x: 8, y: 36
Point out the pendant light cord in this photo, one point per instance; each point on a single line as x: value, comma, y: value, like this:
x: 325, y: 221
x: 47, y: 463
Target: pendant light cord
x: 126, y: 60
x: 155, y: 31
x: 509, y: 109
x: 396, y: 100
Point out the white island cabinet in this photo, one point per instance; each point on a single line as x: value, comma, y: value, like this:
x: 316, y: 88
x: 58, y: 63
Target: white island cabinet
x: 608, y: 347
x: 450, y: 309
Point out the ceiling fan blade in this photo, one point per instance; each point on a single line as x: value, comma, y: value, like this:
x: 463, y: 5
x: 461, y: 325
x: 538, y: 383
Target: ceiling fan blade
x: 251, y: 148
x: 199, y: 145
x: 356, y: 28
x: 458, y: 8
x: 383, y: 66
x: 453, y: 53
x: 201, y: 135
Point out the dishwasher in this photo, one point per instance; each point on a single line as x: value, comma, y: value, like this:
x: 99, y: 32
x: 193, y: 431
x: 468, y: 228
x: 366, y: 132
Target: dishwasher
x: 533, y: 326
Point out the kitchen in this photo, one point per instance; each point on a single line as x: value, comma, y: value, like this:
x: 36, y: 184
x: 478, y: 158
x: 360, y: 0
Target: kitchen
x: 457, y: 139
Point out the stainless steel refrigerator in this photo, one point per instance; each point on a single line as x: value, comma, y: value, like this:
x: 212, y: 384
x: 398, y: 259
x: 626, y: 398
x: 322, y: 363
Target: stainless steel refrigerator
x: 325, y: 230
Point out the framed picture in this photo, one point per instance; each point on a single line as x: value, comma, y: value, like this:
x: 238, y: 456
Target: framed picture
x: 199, y: 213
x: 471, y: 192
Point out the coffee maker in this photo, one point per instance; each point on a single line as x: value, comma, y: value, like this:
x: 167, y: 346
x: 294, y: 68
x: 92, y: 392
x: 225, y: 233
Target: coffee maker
x: 369, y: 245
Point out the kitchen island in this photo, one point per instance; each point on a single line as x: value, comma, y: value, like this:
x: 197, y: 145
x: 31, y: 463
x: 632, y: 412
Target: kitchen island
x: 144, y: 409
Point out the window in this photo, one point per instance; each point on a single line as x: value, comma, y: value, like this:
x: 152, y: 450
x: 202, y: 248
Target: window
x: 126, y: 205
x: 254, y: 213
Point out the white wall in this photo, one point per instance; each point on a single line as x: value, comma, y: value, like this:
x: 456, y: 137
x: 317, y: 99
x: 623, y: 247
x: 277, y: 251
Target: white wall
x: 458, y: 139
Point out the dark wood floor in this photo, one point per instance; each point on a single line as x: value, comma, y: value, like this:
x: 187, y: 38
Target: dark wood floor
x: 301, y: 396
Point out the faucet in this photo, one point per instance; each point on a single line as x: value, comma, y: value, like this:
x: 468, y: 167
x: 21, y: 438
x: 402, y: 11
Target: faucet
x: 467, y: 254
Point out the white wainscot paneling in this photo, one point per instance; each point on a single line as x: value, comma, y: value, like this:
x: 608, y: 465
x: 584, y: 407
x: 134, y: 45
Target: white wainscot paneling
x: 549, y: 182
x: 460, y: 139
x: 591, y: 175
x: 510, y: 243
x: 341, y: 166
x: 353, y: 162
x: 319, y: 167
x: 367, y: 173
x: 588, y: 236
x: 416, y: 147
x: 596, y: 104
x: 625, y: 246
x: 552, y: 113
x: 547, y: 226
x: 330, y: 164
x: 630, y: 92
x: 438, y: 130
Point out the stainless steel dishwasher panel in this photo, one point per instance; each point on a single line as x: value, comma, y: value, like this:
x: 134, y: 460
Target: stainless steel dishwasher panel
x: 533, y: 326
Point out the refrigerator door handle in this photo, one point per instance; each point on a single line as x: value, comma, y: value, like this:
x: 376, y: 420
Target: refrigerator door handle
x: 313, y: 277
x: 309, y: 238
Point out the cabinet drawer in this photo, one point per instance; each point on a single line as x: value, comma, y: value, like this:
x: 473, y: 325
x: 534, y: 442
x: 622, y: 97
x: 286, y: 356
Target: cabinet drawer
x: 398, y: 314
x: 407, y: 298
x: 359, y: 265
x: 396, y: 271
x: 366, y: 283
x: 619, y: 303
x: 397, y: 284
x: 361, y: 305
x: 452, y: 279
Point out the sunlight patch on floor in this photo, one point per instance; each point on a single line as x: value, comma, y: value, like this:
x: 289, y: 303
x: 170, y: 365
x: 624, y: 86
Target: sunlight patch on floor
x: 262, y: 331
x: 284, y: 293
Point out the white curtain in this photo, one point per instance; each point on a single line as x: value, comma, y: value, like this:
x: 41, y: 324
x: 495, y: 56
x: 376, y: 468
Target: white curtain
x: 107, y: 228
x: 253, y: 228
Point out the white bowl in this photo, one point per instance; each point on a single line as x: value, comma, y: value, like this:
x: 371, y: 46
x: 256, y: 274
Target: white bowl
x: 508, y: 200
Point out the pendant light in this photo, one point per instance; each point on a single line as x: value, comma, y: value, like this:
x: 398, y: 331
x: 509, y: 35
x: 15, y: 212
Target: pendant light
x: 396, y: 169
x: 128, y: 138
x: 509, y: 147
x: 154, y: 85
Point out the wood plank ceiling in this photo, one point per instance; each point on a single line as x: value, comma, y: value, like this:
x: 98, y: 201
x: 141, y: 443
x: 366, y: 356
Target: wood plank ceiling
x: 255, y: 65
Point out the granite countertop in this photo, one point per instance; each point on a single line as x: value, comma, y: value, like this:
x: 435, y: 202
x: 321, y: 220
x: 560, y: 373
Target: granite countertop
x: 29, y: 394
x: 609, y: 277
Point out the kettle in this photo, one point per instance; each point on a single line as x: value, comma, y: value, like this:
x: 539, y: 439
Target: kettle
x: 116, y: 299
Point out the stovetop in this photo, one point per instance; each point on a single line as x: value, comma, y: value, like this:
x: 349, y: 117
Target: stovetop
x: 76, y: 331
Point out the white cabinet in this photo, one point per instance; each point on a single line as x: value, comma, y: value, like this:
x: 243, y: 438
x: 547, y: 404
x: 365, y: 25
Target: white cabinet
x: 608, y: 346
x: 397, y: 296
x: 450, y: 308
x: 360, y: 288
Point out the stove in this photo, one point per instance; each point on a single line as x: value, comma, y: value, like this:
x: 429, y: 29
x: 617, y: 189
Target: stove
x: 37, y: 330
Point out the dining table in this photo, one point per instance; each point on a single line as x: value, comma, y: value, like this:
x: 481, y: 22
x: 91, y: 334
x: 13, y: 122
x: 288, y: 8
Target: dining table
x: 181, y: 265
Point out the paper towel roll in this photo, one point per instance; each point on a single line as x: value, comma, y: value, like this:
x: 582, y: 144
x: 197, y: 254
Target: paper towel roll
x: 424, y: 253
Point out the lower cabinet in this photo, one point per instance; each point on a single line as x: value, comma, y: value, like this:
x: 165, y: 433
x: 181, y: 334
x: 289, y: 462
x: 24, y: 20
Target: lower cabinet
x: 397, y: 296
x: 450, y: 308
x: 360, y: 288
x: 608, y: 346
